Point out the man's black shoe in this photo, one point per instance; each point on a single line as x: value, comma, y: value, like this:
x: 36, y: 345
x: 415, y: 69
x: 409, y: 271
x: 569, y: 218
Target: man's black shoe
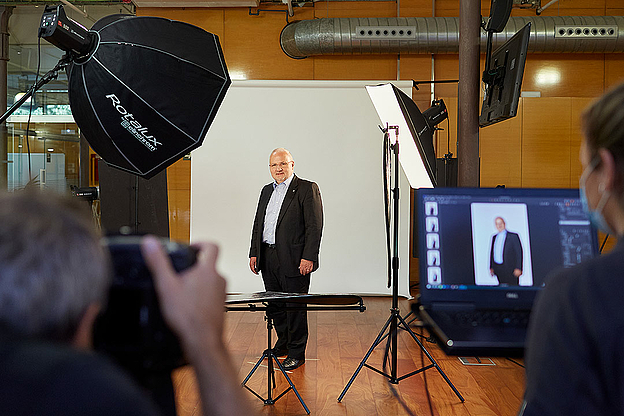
x: 279, y: 352
x: 292, y: 363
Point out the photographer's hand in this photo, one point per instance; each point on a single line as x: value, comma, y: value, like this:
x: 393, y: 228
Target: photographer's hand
x: 192, y: 302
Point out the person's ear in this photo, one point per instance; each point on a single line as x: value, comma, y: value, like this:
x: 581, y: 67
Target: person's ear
x: 607, y: 169
x: 83, y: 338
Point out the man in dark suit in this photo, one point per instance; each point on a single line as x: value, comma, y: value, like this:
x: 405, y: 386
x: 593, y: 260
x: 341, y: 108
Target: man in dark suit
x: 285, y: 243
x: 505, y: 255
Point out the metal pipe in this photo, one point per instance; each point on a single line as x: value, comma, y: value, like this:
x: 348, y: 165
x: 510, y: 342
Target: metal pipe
x: 541, y: 9
x: 468, y: 93
x: 440, y: 35
x: 5, y: 13
x: 71, y: 6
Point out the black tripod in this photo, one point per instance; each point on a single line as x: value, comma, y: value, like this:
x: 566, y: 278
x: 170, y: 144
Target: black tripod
x: 392, y: 323
x: 268, y: 353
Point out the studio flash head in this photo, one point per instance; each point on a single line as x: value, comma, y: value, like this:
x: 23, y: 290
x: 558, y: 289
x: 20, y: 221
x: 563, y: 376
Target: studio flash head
x: 64, y: 33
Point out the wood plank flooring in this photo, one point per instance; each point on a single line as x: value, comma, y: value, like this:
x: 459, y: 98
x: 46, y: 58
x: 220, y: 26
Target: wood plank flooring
x: 338, y: 342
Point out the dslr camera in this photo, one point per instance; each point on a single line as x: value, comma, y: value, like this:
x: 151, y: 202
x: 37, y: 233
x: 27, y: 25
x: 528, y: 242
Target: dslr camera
x: 131, y: 329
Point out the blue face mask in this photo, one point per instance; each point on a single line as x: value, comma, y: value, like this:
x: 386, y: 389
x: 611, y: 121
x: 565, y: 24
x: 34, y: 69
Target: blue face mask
x: 595, y: 216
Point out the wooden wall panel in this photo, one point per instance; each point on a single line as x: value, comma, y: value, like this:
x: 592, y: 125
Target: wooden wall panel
x: 589, y: 10
x: 179, y: 196
x: 179, y: 214
x: 208, y: 19
x: 355, y: 9
x: 252, y: 50
x: 500, y: 149
x: 564, y: 75
x: 546, y: 142
x: 355, y: 67
x: 446, y: 67
x: 415, y: 8
x: 450, y: 8
x: 417, y: 68
x: 179, y: 175
x: 576, y: 135
x: 614, y: 69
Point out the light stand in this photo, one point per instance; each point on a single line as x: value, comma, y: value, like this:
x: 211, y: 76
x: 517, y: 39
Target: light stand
x: 64, y: 33
x: 395, y: 317
x: 49, y: 76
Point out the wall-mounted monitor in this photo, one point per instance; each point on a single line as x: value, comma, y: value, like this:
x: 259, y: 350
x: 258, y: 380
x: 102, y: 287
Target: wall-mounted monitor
x: 503, y: 79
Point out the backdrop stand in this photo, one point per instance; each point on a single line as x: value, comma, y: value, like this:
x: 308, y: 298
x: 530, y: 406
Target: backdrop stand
x: 392, y: 323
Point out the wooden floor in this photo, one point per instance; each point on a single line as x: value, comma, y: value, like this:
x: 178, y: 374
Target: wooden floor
x: 338, y: 342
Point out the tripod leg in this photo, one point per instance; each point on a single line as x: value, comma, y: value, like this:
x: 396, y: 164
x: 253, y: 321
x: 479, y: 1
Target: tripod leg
x: 433, y: 361
x: 370, y: 351
x: 387, y: 350
x: 253, y: 370
x: 273, y: 377
x: 292, y: 386
x: 270, y: 377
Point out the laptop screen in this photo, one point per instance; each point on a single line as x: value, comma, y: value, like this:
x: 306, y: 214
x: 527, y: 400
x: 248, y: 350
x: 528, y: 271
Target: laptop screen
x: 497, y: 245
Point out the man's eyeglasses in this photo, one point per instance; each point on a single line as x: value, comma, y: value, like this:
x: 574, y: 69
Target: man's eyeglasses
x: 281, y: 165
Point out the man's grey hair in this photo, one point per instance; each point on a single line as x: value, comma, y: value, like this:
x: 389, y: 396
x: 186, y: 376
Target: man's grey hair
x: 52, y: 264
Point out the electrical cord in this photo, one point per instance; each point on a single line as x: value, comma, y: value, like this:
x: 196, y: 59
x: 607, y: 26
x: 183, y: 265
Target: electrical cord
x: 32, y: 99
x: 386, y: 179
x: 604, y: 242
x: 448, y: 137
x: 515, y: 362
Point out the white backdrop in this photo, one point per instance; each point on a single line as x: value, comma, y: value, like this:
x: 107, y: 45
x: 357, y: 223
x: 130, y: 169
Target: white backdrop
x: 331, y: 129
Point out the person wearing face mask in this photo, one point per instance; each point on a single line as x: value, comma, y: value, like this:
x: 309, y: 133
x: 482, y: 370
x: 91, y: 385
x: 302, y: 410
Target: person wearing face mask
x: 575, y: 356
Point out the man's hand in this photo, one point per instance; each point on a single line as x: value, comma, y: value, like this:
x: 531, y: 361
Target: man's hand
x: 193, y: 304
x: 253, y: 264
x: 491, y: 272
x: 192, y: 301
x: 305, y: 266
x: 517, y: 272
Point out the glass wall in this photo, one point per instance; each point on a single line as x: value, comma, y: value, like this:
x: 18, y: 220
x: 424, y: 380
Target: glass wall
x: 54, y: 153
x: 53, y: 137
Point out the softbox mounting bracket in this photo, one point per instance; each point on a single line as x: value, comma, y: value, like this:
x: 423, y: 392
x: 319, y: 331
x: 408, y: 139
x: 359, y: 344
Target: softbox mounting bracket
x: 49, y: 76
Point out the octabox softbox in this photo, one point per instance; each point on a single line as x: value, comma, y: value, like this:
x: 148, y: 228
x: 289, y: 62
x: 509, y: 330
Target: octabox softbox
x: 148, y: 92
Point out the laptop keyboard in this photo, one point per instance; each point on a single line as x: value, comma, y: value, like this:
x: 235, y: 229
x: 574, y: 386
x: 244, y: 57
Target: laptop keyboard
x: 490, y: 318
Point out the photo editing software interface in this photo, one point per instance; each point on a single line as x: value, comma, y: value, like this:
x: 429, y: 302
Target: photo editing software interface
x: 497, y: 238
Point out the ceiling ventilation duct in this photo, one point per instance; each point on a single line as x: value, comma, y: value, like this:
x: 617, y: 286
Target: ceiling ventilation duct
x: 440, y: 35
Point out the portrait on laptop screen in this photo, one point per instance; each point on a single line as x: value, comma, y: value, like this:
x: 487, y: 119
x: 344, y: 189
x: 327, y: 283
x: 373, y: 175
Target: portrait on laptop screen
x: 501, y: 244
x: 494, y: 239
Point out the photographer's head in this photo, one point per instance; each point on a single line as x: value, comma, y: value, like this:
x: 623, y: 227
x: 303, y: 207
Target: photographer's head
x: 602, y: 158
x: 54, y: 273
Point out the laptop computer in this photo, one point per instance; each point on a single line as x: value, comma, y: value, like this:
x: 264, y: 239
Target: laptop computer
x: 485, y: 253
